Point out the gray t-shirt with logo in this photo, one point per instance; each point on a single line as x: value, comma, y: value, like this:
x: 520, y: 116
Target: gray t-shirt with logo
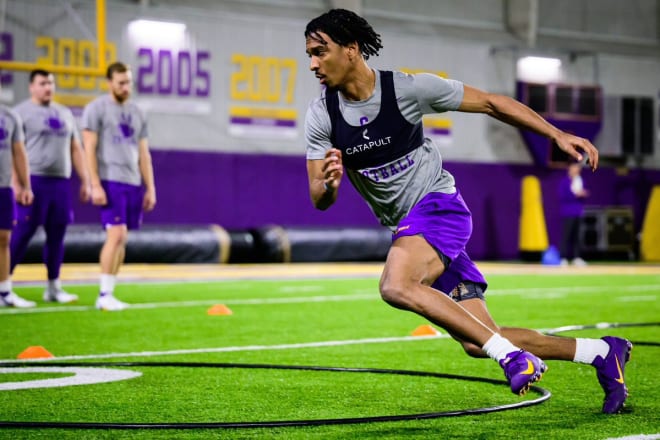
x: 391, y: 196
x: 11, y: 131
x: 119, y: 127
x: 49, y: 130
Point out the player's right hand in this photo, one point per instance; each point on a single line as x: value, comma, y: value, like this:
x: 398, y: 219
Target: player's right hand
x: 333, y: 168
x: 576, y: 146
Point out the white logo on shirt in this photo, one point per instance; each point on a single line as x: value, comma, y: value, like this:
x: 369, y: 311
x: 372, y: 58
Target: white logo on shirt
x: 364, y: 134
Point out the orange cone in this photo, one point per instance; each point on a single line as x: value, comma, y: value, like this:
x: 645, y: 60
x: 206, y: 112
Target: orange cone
x: 219, y: 309
x: 35, y: 352
x: 425, y: 330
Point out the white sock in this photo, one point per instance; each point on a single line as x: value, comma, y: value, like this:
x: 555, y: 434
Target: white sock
x: 497, y: 347
x: 5, y: 286
x: 54, y: 285
x: 107, y: 284
x: 586, y: 350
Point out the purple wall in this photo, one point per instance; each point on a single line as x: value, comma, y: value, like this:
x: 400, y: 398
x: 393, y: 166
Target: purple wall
x: 493, y: 194
x: 239, y: 191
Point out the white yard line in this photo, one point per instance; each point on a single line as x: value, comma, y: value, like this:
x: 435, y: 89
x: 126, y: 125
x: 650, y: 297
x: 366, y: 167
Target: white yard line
x: 241, y: 348
x: 208, y: 302
x: 637, y: 437
x: 529, y: 293
x: 551, y: 292
x: 238, y: 348
x: 637, y: 298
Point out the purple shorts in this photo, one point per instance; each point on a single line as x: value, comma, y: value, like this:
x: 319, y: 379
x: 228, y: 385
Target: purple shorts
x: 52, y: 202
x: 124, y: 205
x: 445, y: 222
x: 7, y: 209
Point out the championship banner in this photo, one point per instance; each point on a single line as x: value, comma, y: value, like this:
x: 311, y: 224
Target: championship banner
x: 262, y: 95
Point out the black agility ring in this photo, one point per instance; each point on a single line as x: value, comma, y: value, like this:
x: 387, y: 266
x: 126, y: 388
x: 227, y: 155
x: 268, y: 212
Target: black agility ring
x: 606, y: 325
x: 544, y: 395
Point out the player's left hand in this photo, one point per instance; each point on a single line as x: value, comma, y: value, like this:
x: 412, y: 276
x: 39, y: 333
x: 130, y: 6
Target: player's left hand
x: 24, y: 196
x: 149, y: 201
x: 576, y: 147
x: 85, y: 192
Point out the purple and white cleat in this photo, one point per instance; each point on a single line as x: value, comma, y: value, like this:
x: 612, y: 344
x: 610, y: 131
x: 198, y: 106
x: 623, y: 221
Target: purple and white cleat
x: 522, y: 369
x: 610, y: 371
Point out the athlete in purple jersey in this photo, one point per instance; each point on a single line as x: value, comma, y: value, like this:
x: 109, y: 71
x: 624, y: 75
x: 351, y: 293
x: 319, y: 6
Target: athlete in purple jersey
x: 53, y: 148
x: 14, y: 171
x: 115, y: 139
x: 368, y: 123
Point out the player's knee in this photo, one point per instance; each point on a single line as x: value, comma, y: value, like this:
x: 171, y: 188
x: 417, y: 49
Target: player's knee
x: 394, y: 293
x: 117, y: 237
x: 117, y: 240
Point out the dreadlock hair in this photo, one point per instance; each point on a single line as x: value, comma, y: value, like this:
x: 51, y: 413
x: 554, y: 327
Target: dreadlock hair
x: 345, y: 27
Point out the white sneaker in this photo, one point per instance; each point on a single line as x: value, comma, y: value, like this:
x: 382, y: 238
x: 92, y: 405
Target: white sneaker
x: 563, y: 262
x: 110, y: 304
x: 60, y: 296
x: 579, y: 262
x: 13, y: 300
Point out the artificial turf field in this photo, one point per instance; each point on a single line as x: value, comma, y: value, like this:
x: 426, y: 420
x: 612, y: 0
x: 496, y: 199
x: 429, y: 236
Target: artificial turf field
x: 329, y: 316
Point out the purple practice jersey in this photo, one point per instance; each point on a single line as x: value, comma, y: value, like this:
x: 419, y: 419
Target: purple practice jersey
x: 387, y: 158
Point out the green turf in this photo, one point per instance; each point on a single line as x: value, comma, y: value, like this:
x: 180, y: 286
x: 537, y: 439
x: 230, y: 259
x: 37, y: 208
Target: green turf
x: 275, y: 322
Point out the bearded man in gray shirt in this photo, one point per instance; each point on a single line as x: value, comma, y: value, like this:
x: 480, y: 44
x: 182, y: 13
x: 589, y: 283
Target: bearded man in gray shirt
x: 117, y: 150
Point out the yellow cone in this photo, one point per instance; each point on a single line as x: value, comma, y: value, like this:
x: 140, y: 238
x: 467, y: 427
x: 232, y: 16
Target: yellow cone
x: 533, y: 233
x: 649, y: 244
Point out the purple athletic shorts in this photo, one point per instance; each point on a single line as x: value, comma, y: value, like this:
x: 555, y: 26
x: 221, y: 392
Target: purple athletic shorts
x: 124, y: 205
x: 52, y: 202
x: 445, y: 222
x: 7, y: 209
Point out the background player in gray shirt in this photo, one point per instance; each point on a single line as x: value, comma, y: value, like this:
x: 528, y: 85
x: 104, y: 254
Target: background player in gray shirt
x: 53, y: 148
x: 13, y: 162
x: 368, y: 123
x: 117, y: 150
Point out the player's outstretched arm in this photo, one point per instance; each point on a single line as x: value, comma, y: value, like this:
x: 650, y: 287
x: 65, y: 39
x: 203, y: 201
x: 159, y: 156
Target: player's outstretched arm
x: 515, y: 113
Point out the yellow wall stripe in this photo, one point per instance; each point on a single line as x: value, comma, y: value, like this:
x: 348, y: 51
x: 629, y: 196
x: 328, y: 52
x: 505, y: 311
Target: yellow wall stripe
x: 259, y: 112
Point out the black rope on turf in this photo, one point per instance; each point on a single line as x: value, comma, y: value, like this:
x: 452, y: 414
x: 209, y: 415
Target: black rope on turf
x: 543, y: 396
x: 606, y: 325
